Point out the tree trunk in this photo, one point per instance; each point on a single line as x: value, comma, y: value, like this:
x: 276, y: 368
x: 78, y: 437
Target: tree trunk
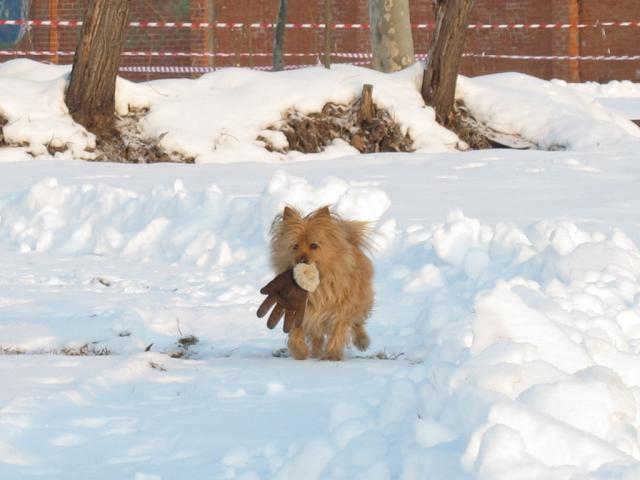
x: 210, y: 10
x: 278, y: 41
x: 574, y: 40
x: 91, y: 93
x: 327, y: 34
x: 441, y: 71
x: 367, y: 109
x: 391, y: 40
x: 54, y: 44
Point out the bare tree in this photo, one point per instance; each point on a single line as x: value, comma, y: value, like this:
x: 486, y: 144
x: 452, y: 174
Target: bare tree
x: 391, y: 40
x: 91, y: 93
x: 327, y: 34
x: 278, y: 41
x: 210, y: 10
x: 443, y: 61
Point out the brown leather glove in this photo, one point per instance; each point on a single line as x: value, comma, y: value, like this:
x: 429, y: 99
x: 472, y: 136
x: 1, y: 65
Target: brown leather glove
x: 289, y: 299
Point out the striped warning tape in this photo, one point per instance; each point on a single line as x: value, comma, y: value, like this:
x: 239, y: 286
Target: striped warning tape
x: 335, y: 26
x: 154, y: 54
x: 555, y: 57
x: 196, y: 69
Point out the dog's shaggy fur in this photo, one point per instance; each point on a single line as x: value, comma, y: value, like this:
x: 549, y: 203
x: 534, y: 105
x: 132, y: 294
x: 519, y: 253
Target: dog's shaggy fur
x: 338, y: 308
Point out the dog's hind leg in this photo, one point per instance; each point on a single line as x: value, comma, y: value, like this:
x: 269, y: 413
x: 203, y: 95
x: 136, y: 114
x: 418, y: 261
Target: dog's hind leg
x: 360, y: 337
x: 297, y: 346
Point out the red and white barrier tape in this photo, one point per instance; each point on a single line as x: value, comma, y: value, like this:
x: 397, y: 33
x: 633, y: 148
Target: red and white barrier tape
x: 195, y: 69
x: 334, y: 26
x: 48, y: 53
x: 189, y: 69
x: 554, y: 57
x: 152, y: 54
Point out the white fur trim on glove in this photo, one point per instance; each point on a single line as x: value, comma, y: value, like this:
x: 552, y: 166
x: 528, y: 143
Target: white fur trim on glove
x: 306, y: 276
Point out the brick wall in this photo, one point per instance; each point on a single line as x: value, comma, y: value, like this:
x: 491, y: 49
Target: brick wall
x: 590, y: 41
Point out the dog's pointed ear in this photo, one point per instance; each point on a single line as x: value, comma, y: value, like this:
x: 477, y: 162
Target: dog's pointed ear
x: 289, y: 213
x: 323, y: 212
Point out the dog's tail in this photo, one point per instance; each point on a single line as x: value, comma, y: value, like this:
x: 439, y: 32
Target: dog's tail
x: 359, y: 233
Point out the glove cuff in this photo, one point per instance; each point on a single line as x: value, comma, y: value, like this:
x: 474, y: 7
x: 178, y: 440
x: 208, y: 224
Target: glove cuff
x: 306, y: 276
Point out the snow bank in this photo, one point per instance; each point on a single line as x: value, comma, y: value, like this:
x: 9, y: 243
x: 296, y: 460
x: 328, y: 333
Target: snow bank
x: 622, y: 97
x: 548, y: 114
x: 171, y: 224
x: 205, y: 249
x: 229, y: 108
x: 523, y: 360
x: 219, y: 116
x: 528, y: 367
x: 32, y: 102
x: 530, y: 359
x: 612, y: 89
x: 216, y: 118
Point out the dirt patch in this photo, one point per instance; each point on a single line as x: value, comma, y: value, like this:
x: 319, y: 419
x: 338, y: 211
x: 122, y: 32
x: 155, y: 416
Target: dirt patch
x: 126, y: 143
x: 480, y: 136
x: 87, y: 350
x: 361, y: 123
x: 467, y: 128
x: 183, y: 344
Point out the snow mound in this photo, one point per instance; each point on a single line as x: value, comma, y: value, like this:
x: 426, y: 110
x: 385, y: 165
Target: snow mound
x: 32, y: 102
x: 207, y: 228
x: 220, y: 116
x: 612, y: 89
x: 529, y: 364
x: 205, y: 249
x: 216, y: 118
x: 521, y: 357
x: 549, y: 114
x: 228, y: 109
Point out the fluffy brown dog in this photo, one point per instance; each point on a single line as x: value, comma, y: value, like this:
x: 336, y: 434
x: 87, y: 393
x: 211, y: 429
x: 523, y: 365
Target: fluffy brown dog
x: 338, y: 308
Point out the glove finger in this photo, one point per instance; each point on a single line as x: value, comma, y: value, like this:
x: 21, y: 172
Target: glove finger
x: 276, y: 315
x: 300, y: 313
x: 266, y: 306
x: 270, y: 288
x: 289, y: 318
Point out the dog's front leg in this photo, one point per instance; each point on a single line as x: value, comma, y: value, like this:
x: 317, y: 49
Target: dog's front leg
x: 296, y: 343
x: 317, y: 345
x: 337, y: 340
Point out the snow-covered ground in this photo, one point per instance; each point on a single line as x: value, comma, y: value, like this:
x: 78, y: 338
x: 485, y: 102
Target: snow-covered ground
x: 505, y: 337
x: 620, y: 96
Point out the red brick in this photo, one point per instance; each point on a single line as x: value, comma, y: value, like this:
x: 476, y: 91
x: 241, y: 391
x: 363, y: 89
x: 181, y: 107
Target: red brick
x: 592, y: 41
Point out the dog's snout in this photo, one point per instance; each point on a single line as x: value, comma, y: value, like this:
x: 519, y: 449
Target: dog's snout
x: 303, y: 258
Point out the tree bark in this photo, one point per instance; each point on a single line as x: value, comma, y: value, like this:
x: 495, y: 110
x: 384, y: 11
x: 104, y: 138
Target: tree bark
x: 91, y: 93
x: 278, y: 41
x: 391, y: 39
x: 445, y: 53
x: 574, y: 40
x: 327, y: 34
x: 210, y: 9
x: 54, y: 44
x: 367, y: 109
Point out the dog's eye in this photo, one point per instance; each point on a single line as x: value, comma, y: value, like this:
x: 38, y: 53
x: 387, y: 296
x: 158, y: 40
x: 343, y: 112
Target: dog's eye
x: 295, y: 246
x: 313, y: 246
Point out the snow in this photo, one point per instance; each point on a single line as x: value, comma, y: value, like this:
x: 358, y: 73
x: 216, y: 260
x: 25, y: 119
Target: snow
x: 35, y: 110
x: 622, y: 97
x: 549, y: 114
x: 506, y: 329
x: 218, y: 117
